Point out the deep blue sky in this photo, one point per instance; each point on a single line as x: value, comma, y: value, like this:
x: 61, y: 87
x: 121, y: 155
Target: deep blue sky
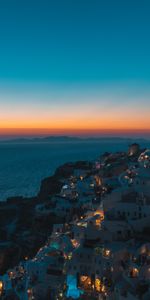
x: 74, y: 39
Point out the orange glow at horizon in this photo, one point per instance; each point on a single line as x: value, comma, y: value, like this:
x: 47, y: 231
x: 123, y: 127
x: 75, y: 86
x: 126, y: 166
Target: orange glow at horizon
x: 73, y: 131
x: 74, y: 114
x: 75, y: 120
x: 73, y: 123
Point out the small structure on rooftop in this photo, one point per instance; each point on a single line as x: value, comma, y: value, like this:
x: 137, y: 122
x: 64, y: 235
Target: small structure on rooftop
x: 134, y: 149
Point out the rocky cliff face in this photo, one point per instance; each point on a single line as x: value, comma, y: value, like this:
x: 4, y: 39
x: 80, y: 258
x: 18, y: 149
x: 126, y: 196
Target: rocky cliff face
x: 49, y: 186
x: 22, y: 233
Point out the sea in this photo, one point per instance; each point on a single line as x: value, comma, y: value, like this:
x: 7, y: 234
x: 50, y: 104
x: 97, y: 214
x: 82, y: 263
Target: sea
x: 24, y: 165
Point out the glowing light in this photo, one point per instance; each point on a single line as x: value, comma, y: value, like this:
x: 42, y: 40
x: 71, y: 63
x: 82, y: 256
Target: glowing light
x: 86, y: 282
x: 103, y: 288
x: 100, y: 213
x: 75, y: 243
x: 106, y: 253
x: 134, y: 272
x: 69, y: 256
x: 98, y: 222
x: 1, y: 287
x: 97, y: 284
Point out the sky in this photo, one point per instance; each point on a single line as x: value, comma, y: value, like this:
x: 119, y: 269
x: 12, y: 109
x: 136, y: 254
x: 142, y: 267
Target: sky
x: 74, y: 66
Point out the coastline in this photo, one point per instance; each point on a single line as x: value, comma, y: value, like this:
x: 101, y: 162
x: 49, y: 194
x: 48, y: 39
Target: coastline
x: 25, y: 232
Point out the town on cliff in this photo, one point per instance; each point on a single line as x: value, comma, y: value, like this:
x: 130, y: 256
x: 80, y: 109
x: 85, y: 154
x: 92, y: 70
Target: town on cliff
x: 86, y: 235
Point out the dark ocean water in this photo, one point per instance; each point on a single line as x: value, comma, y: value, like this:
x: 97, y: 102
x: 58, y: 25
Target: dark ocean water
x: 22, y: 166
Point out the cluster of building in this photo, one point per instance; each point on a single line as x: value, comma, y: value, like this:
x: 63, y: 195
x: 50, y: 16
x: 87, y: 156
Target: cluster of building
x: 102, y: 249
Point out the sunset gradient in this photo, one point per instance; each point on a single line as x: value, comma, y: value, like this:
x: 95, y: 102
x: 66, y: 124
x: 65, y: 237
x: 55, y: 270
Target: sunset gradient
x: 74, y: 67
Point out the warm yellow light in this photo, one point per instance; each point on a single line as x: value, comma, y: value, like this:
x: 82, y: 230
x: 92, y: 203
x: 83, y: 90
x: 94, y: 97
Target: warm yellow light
x: 103, y: 288
x: 1, y: 287
x: 83, y: 278
x: 99, y: 212
x: 106, y: 252
x: 98, y: 222
x: 97, y: 284
x: 135, y: 272
x: 75, y: 243
x: 98, y: 180
x: 86, y: 280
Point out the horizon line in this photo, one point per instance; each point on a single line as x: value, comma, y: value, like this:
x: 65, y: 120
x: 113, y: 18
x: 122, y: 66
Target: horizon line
x: 5, y: 132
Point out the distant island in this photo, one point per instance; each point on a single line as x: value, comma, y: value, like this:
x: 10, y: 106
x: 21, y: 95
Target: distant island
x: 65, y: 139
